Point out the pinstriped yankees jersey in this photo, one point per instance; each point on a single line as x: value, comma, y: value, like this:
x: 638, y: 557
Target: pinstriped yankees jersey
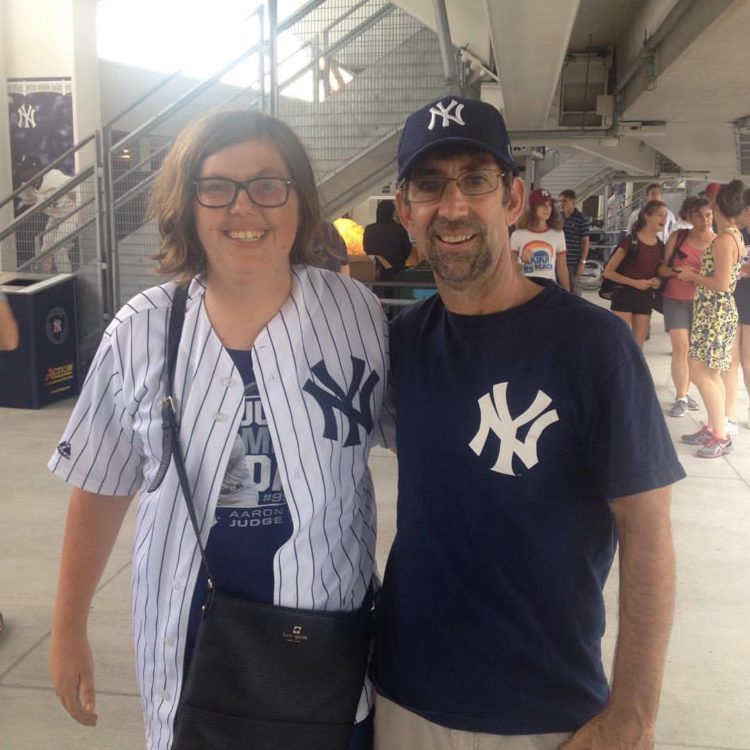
x: 321, y: 366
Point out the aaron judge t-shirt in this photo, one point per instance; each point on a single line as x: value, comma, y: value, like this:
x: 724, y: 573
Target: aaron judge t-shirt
x: 252, y: 517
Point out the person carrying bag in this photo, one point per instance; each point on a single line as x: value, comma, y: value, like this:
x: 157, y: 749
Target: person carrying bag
x: 276, y: 677
x: 240, y: 406
x: 632, y: 271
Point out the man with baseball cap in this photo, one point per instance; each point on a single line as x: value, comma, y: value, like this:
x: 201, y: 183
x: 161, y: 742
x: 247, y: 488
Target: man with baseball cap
x: 525, y: 452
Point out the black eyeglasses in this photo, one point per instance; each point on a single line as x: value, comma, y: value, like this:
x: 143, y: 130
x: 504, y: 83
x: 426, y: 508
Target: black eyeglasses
x: 220, y: 192
x: 430, y: 188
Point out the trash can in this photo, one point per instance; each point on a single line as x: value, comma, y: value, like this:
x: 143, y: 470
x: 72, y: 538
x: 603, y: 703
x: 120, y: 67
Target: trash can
x: 45, y: 366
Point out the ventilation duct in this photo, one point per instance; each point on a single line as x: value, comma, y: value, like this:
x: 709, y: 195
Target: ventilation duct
x: 583, y: 84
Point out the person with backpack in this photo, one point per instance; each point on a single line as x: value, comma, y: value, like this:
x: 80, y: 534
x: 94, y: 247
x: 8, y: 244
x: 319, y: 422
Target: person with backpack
x: 684, y: 249
x: 633, y: 269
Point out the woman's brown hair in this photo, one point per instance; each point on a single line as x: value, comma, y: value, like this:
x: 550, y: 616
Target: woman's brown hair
x: 649, y: 209
x: 528, y: 218
x: 729, y: 199
x: 173, y: 194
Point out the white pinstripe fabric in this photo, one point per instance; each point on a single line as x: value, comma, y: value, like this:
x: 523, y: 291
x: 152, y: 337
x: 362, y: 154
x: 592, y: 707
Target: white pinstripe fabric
x: 115, y: 447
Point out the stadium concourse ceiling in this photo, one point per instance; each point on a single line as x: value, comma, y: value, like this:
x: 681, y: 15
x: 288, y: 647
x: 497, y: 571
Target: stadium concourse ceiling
x: 675, y: 69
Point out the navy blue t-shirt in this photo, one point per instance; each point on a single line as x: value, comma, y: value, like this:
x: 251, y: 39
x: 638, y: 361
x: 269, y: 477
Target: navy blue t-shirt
x: 252, y: 517
x: 514, y: 430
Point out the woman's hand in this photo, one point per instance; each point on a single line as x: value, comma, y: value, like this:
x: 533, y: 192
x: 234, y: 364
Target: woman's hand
x: 71, y: 666
x: 686, y: 274
x: 655, y: 282
x: 642, y: 284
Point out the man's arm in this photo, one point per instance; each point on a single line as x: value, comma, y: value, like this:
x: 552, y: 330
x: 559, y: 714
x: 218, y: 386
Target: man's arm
x: 585, y: 242
x: 647, y: 590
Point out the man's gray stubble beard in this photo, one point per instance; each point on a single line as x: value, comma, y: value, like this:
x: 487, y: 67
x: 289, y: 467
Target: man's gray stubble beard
x: 459, y: 268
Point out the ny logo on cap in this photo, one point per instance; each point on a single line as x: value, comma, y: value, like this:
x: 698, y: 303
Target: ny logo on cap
x: 445, y: 112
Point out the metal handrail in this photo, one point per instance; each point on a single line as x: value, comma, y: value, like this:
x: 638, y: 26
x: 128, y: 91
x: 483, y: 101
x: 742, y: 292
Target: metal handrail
x: 107, y: 203
x: 188, y: 96
x: 353, y: 34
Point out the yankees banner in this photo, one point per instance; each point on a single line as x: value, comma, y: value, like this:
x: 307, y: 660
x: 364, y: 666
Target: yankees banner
x: 41, y: 121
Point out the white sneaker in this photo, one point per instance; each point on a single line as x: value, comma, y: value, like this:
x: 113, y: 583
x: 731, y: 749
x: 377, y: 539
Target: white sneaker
x: 731, y: 427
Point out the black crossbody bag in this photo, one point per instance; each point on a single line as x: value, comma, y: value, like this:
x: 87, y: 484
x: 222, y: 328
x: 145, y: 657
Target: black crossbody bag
x: 262, y: 677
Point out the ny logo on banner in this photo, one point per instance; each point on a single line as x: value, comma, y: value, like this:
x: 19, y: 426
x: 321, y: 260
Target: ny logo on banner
x: 445, y: 112
x: 495, y: 417
x: 335, y: 398
x: 26, y: 115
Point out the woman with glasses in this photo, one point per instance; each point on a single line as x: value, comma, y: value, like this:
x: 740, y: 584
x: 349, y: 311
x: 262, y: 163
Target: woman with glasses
x: 684, y: 249
x: 278, y: 384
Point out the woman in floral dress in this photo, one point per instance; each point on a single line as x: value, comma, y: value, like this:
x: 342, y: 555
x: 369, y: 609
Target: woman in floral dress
x: 715, y: 320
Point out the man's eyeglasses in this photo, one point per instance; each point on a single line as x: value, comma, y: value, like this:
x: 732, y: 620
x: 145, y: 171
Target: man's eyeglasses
x: 430, y: 188
x: 220, y: 192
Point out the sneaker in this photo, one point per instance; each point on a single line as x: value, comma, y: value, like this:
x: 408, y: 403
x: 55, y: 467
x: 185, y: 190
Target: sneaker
x: 715, y: 448
x: 702, y: 437
x: 679, y: 408
x: 692, y: 403
x: 731, y: 427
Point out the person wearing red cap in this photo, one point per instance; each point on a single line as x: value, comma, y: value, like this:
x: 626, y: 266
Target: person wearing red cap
x: 712, y: 189
x: 538, y: 241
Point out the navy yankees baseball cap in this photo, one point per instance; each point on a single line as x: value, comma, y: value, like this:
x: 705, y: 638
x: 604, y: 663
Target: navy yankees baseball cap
x: 454, y: 119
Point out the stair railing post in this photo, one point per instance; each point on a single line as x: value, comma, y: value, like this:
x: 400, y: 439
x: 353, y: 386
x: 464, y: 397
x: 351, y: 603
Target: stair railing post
x: 101, y: 231
x: 109, y: 253
x: 262, y: 55
x: 273, y: 25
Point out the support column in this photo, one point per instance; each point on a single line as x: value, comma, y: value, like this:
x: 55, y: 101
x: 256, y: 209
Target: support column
x: 6, y: 186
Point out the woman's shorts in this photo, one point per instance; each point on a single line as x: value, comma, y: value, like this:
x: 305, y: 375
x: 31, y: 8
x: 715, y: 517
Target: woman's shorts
x: 742, y: 298
x: 678, y: 313
x: 631, y: 300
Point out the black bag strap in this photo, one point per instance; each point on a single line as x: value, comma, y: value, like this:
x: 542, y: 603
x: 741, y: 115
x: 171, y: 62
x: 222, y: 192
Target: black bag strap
x: 679, y: 242
x: 631, y: 241
x: 171, y: 449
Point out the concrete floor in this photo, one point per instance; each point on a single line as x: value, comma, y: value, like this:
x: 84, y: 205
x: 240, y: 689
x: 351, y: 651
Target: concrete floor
x: 706, y: 697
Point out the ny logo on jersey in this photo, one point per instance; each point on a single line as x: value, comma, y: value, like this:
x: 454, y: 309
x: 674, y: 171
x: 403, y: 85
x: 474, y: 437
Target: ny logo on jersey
x: 495, y: 417
x: 336, y: 398
x: 440, y: 110
x: 26, y: 115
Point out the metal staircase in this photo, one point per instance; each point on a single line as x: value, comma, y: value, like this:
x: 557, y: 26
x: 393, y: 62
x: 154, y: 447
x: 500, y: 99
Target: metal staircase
x: 350, y: 74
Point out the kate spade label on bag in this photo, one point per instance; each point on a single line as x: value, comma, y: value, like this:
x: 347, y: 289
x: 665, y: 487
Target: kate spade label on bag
x: 296, y: 635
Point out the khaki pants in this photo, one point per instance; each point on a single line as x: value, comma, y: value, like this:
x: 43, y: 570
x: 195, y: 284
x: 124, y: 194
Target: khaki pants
x: 399, y: 729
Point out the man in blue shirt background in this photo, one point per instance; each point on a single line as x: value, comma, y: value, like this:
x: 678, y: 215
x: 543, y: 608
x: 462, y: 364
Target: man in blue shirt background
x: 576, y: 230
